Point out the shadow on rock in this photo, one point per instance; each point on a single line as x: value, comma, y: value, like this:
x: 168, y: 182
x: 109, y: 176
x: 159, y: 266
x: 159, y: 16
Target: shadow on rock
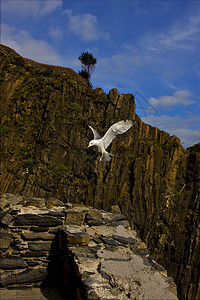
x: 63, y: 281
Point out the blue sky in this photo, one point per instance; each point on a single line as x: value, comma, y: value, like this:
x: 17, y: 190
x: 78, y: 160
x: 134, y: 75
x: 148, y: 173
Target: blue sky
x: 147, y: 48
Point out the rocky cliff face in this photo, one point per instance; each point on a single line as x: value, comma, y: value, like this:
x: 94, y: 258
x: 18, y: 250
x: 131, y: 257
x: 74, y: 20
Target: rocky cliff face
x: 46, y: 112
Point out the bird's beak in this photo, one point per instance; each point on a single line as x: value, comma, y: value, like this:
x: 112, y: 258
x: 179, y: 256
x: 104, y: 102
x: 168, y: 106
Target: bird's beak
x: 88, y: 147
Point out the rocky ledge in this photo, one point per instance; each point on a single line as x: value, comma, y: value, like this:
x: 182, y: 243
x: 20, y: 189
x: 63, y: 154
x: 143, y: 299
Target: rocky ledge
x: 55, y: 250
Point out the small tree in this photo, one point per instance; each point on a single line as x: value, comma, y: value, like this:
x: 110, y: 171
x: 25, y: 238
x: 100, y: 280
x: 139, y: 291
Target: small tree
x: 88, y: 65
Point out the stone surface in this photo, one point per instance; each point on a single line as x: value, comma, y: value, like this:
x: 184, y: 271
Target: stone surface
x: 52, y: 202
x: 39, y: 229
x: 94, y: 217
x: 5, y: 240
x: 33, y: 201
x: 75, y: 218
x: 5, y: 218
x: 11, y: 262
x: 4, y: 203
x: 28, y: 276
x: 23, y: 294
x: 13, y: 199
x: 83, y: 260
x: 30, y: 219
x: 123, y: 236
x: 44, y: 246
x: 37, y: 236
x: 76, y: 236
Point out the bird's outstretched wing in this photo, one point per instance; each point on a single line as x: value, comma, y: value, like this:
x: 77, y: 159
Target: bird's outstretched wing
x: 117, y: 128
x: 96, y: 134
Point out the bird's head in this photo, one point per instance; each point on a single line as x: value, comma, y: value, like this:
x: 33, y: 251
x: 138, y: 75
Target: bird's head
x: 91, y: 143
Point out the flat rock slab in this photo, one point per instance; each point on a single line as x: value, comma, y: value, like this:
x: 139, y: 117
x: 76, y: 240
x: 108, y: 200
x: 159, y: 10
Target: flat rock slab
x: 4, y: 203
x: 30, y: 294
x: 5, y: 218
x: 37, y: 236
x: 45, y: 246
x: 118, y: 254
x: 124, y: 236
x: 75, y: 218
x: 28, y: 276
x: 12, y: 263
x: 33, y: 201
x: 103, y: 230
x: 5, y: 240
x: 13, y: 199
x: 44, y: 221
x: 76, y: 235
x: 138, y: 280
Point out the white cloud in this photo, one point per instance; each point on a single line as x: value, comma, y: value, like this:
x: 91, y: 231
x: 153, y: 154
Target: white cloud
x: 182, y: 35
x: 185, y: 128
x: 178, y: 98
x: 86, y: 26
x: 56, y: 33
x: 30, y: 8
x: 29, y: 47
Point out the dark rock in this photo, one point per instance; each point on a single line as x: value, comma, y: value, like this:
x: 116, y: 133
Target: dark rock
x: 4, y: 244
x: 33, y: 254
x: 110, y: 218
x: 39, y: 229
x: 94, y: 217
x: 124, y: 240
x: 124, y: 223
x: 94, y: 249
x: 110, y: 242
x: 92, y: 296
x: 95, y: 223
x: 76, y: 235
x: 13, y: 199
x: 56, y: 214
x: 5, y: 218
x: 97, y: 240
x: 14, y: 212
x: 5, y: 234
x: 45, y: 246
x: 12, y: 262
x: 33, y: 263
x: 75, y: 218
x: 51, y: 202
x: 4, y: 203
x: 30, y: 219
x: 5, y: 240
x: 83, y: 251
x: 28, y: 276
x: 33, y: 201
x: 37, y: 236
x: 54, y: 230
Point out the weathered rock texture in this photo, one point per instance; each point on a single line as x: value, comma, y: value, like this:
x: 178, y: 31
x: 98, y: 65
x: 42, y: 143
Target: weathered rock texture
x: 155, y: 182
x: 70, y: 257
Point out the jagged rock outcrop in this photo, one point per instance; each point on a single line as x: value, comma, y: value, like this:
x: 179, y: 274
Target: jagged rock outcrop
x: 75, y: 252
x: 152, y: 178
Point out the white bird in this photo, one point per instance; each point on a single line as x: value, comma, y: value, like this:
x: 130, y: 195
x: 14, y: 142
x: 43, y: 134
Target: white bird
x: 102, y: 143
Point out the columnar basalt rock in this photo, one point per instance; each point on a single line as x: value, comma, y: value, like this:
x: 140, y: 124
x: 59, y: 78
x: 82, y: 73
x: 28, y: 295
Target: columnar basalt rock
x: 153, y: 180
x: 84, y: 253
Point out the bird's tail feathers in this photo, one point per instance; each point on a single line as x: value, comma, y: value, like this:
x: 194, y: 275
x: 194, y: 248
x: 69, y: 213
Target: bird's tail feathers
x: 105, y: 157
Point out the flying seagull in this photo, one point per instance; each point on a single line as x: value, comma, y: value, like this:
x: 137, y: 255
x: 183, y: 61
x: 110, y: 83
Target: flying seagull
x: 102, y: 143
